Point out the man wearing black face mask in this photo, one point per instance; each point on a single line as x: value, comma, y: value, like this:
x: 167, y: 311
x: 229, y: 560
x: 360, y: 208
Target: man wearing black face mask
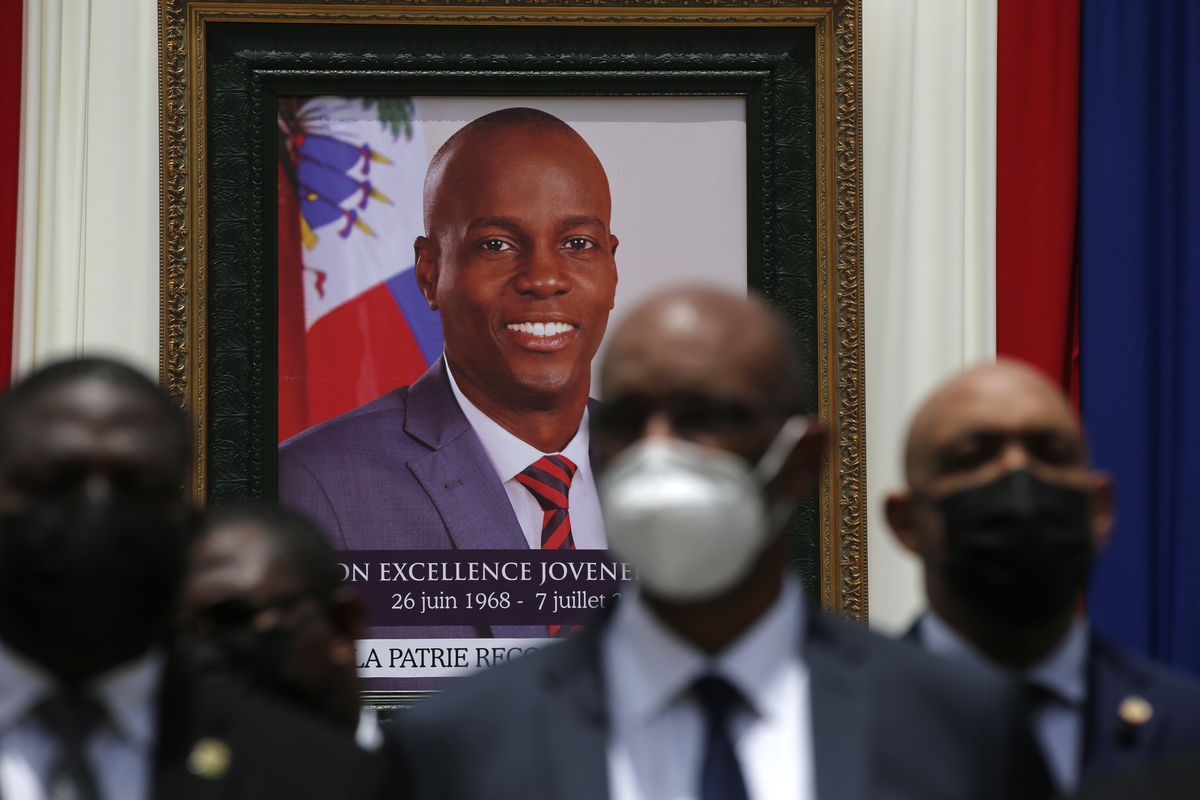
x: 1006, y: 514
x: 94, y: 705
x: 263, y: 600
x: 712, y: 679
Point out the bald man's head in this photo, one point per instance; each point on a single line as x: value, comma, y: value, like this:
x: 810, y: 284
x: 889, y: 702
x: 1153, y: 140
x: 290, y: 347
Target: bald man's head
x: 707, y: 336
x: 691, y: 372
x: 519, y: 261
x: 991, y: 397
x: 529, y: 124
x: 1002, y: 507
x: 722, y: 368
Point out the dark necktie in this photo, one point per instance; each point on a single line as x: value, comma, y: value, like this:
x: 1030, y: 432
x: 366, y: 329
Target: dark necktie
x: 720, y: 773
x: 549, y: 481
x: 70, y: 716
x: 1038, y: 699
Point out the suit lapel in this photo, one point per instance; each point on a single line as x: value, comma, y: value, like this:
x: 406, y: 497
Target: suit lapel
x: 182, y: 770
x: 840, y: 729
x: 1111, y: 739
x: 572, y: 727
x: 457, y: 475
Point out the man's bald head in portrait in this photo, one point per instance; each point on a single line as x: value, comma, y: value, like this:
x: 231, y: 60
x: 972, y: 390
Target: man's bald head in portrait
x: 518, y: 259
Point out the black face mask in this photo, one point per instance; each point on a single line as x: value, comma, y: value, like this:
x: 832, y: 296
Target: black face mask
x: 1018, y: 548
x: 264, y: 658
x: 86, y: 585
x: 258, y: 657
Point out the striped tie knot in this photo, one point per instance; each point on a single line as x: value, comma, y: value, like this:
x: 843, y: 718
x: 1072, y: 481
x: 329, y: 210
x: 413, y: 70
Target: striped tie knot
x: 549, y: 481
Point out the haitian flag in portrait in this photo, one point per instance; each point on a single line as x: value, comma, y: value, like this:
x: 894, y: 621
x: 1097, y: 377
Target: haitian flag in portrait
x: 352, y: 323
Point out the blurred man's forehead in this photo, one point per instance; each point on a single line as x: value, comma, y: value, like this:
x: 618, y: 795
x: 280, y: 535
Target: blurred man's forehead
x: 989, y: 403
x: 237, y: 556
x: 92, y: 417
x: 683, y: 350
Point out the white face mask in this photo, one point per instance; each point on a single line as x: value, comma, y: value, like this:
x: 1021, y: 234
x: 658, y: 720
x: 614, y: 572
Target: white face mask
x: 690, y: 519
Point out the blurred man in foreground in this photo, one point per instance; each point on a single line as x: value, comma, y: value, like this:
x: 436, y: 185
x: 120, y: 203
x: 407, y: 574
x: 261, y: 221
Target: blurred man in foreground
x: 263, y: 599
x: 713, y: 679
x: 93, y: 703
x: 1006, y: 514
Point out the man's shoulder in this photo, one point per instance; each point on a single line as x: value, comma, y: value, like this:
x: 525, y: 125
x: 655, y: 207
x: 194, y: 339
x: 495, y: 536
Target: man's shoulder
x: 504, y: 690
x: 364, y: 423
x: 1133, y: 672
x: 220, y: 730
x: 905, y: 661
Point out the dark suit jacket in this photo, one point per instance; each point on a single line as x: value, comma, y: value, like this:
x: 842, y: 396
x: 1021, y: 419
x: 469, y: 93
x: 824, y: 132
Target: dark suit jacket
x: 1112, y: 744
x: 273, y: 751
x: 889, y: 721
x: 1175, y: 778
x: 404, y: 472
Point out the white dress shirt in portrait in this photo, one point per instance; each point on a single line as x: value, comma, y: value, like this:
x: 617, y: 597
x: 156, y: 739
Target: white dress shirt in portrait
x: 658, y: 730
x: 510, y: 456
x: 120, y: 750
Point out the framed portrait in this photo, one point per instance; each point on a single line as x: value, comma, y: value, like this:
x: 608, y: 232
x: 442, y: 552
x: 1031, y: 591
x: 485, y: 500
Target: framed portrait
x: 311, y: 153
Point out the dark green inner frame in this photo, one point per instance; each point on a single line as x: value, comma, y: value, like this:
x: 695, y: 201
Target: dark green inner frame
x: 249, y: 66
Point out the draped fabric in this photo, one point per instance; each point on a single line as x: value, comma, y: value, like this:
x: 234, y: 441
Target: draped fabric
x: 11, y: 33
x: 929, y: 177
x: 87, y: 263
x: 1140, y: 331
x: 1037, y: 103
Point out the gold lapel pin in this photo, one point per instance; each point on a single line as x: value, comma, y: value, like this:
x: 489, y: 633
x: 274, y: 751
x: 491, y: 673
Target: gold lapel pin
x: 209, y: 759
x: 1135, y: 710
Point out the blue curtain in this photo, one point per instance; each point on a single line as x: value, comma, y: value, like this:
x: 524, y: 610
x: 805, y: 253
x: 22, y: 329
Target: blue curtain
x: 1139, y: 249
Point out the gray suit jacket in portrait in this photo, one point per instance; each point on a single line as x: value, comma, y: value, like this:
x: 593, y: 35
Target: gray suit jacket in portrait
x: 404, y: 472
x: 889, y: 721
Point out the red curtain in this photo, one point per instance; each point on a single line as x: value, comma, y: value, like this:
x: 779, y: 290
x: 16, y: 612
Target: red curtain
x: 11, y: 30
x: 1037, y: 185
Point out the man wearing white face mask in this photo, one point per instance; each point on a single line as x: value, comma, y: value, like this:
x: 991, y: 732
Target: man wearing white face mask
x: 713, y: 679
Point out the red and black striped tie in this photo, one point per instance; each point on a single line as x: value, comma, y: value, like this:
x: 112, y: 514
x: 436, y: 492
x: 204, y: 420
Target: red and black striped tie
x: 549, y: 481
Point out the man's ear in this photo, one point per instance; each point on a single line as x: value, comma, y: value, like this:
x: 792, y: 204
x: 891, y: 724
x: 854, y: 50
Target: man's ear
x: 898, y: 508
x: 1104, y: 510
x: 425, y: 251
x: 800, y: 472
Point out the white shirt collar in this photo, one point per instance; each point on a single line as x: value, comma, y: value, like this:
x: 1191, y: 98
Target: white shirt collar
x: 128, y: 692
x: 656, y: 667
x: 1063, y: 671
x: 509, y: 454
x: 22, y: 685
x: 368, y: 735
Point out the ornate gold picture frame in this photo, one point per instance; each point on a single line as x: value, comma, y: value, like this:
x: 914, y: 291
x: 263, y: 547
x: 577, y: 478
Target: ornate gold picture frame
x: 798, y: 65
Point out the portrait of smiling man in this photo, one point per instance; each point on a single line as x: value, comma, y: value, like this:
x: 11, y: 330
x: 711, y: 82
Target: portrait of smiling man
x: 489, y: 448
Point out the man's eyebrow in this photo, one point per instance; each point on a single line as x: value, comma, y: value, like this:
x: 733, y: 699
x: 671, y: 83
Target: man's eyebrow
x: 509, y: 223
x: 512, y: 223
x: 571, y: 222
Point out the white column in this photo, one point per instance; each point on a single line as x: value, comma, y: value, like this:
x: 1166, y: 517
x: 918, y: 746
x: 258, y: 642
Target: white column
x: 929, y: 178
x: 87, y: 274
